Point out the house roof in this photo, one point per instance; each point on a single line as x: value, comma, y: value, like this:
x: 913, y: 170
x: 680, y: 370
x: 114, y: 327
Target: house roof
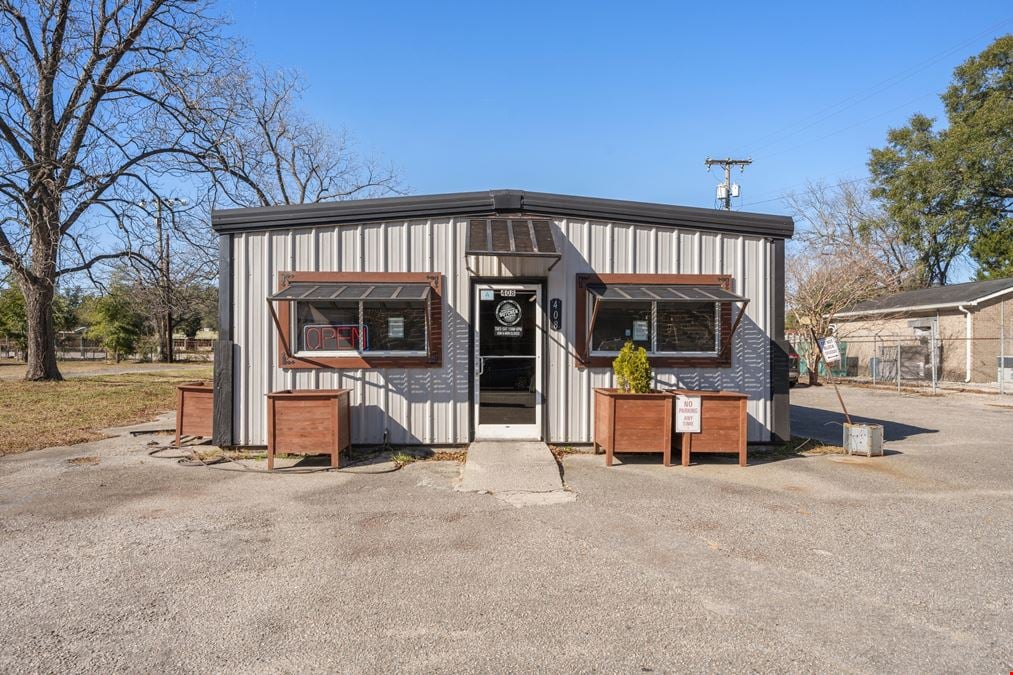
x: 498, y: 203
x: 936, y: 297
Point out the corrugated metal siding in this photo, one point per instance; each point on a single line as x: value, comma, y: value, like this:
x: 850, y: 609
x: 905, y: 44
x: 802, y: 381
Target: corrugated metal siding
x: 432, y: 405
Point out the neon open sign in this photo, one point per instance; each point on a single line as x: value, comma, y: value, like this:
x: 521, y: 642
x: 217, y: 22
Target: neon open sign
x: 334, y: 337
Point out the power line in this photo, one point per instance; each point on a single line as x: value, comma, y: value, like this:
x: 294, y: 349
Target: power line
x: 863, y: 95
x: 847, y: 128
x: 835, y: 175
x: 783, y: 193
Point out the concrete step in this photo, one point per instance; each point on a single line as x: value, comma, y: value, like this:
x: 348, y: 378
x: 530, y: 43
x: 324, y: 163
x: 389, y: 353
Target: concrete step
x: 522, y: 473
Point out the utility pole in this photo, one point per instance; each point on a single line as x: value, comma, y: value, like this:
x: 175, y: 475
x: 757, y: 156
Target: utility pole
x: 164, y: 270
x: 728, y: 189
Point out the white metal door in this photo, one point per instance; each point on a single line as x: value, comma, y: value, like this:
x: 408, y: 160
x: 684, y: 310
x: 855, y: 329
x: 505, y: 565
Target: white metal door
x: 508, y: 361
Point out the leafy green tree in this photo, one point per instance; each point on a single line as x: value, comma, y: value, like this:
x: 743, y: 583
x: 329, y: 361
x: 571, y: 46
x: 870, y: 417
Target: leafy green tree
x: 922, y: 197
x: 979, y: 148
x: 13, y: 323
x: 950, y: 191
x: 198, y: 308
x: 14, y: 316
x: 115, y: 321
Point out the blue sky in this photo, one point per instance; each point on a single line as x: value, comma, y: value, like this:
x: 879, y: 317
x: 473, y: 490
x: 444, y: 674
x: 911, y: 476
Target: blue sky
x: 621, y: 100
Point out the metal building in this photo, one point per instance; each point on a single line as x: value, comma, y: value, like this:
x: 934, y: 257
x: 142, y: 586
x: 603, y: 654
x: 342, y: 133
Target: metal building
x: 493, y: 314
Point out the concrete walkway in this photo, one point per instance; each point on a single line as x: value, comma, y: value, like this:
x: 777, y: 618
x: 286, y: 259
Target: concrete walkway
x: 522, y: 473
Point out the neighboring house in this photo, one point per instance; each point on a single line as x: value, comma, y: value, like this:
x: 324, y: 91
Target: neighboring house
x: 972, y: 320
x: 493, y: 314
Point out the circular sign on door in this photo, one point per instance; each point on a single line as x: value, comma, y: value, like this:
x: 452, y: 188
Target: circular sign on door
x: 508, y: 314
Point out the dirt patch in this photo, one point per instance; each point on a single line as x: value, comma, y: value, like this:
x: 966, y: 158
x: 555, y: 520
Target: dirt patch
x: 90, y: 460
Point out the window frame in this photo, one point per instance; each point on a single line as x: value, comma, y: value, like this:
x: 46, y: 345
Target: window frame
x: 361, y: 323
x: 654, y: 351
x: 720, y: 358
x: 430, y: 357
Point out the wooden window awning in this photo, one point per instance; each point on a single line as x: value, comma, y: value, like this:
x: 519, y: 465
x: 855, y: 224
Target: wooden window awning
x: 511, y: 237
x: 355, y: 287
x: 669, y: 293
x: 660, y: 292
x: 335, y: 291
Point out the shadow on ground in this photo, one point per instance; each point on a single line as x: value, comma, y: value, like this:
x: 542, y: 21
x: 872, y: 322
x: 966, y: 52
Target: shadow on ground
x: 826, y: 425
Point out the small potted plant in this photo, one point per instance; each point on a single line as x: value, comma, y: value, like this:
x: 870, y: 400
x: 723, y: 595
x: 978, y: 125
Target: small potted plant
x: 632, y: 417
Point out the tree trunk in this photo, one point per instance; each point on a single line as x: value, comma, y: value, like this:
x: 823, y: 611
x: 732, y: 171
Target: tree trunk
x: 41, y: 335
x: 814, y: 371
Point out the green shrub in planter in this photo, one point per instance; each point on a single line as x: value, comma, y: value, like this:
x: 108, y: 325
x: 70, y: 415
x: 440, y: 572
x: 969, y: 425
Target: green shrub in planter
x: 632, y: 369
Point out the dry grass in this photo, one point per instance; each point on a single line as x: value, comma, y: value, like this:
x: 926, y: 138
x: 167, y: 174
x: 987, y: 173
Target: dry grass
x: 43, y: 414
x: 449, y: 456
x: 11, y: 370
x: 405, y: 456
x: 561, y: 451
x: 801, y: 445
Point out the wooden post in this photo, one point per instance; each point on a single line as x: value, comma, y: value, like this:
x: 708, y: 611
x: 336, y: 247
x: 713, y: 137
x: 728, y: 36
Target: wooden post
x: 742, y: 432
x: 830, y: 373
x: 179, y: 414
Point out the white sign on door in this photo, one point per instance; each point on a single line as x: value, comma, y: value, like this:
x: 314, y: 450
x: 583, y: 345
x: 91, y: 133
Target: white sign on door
x: 687, y: 414
x: 830, y: 351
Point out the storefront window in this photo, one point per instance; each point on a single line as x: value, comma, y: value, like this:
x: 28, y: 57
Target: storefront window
x: 395, y: 326
x: 658, y: 327
x: 688, y: 327
x: 620, y: 322
x: 368, y: 326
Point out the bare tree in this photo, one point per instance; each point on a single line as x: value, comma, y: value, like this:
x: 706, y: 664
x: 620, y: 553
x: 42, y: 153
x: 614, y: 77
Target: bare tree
x: 842, y: 220
x: 173, y: 261
x: 818, y: 287
x: 264, y: 151
x: 98, y: 100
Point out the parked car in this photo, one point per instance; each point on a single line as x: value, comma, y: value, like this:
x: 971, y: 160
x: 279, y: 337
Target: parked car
x: 793, y: 366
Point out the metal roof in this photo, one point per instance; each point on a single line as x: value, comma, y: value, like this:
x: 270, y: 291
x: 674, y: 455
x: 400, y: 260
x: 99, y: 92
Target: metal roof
x: 514, y: 237
x: 493, y: 203
x: 337, y: 291
x: 969, y: 293
x: 667, y: 293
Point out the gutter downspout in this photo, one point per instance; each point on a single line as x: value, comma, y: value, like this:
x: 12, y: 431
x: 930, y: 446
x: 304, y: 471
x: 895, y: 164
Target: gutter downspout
x: 968, y: 342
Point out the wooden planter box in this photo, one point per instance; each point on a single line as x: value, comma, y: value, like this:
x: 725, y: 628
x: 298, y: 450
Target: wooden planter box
x: 722, y: 424
x: 307, y: 422
x: 633, y: 423
x: 194, y: 410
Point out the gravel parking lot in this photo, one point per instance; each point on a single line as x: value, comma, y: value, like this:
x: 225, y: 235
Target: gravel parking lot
x: 802, y: 563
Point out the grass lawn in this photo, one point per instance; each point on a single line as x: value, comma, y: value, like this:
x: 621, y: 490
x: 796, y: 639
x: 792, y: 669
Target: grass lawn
x: 42, y: 414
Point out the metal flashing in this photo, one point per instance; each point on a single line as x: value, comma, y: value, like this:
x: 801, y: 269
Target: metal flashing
x: 664, y: 293
x: 493, y: 203
x: 337, y: 291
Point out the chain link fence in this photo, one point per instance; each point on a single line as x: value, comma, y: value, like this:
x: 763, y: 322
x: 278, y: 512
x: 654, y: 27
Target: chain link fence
x: 74, y: 346
x: 922, y: 358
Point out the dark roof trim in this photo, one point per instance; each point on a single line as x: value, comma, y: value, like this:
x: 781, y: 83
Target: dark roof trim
x: 499, y: 203
x: 936, y: 297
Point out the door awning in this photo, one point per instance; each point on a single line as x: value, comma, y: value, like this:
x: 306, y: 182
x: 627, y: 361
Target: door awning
x: 334, y: 291
x: 511, y: 237
x: 666, y: 293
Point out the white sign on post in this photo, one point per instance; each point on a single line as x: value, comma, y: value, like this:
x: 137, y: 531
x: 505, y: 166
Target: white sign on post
x: 830, y: 351
x: 687, y: 414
